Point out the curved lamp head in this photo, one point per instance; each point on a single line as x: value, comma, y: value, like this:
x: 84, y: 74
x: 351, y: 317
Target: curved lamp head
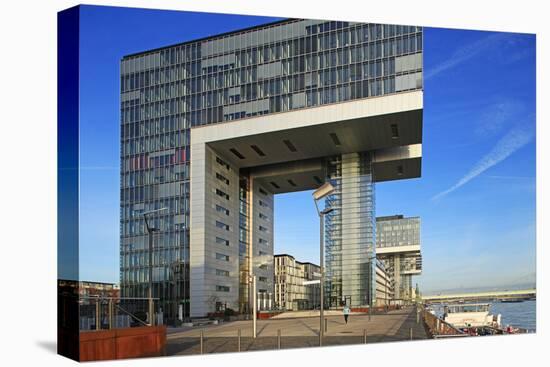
x: 154, y: 211
x: 326, y: 211
x: 324, y: 190
x: 145, y: 214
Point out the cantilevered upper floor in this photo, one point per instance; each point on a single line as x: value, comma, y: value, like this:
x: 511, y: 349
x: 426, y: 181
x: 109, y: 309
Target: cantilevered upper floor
x: 277, y: 67
x: 287, y: 150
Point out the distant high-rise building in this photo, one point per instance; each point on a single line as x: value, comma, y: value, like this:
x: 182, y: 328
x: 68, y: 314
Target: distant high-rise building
x: 398, y: 247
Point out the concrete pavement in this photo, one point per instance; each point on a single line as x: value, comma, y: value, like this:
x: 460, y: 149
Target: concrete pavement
x: 297, y: 333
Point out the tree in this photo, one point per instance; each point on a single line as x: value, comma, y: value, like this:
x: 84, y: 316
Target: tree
x: 212, y: 302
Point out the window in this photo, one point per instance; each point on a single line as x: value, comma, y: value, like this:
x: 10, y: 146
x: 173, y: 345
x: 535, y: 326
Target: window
x: 222, y: 241
x: 222, y: 163
x: 262, y: 279
x: 221, y: 209
x: 222, y: 288
x: 222, y: 257
x: 263, y: 203
x: 263, y: 266
x: 222, y: 225
x: 262, y: 191
x: 261, y: 240
x: 222, y: 194
x: 222, y: 273
x: 262, y: 228
x: 263, y: 216
x: 222, y: 178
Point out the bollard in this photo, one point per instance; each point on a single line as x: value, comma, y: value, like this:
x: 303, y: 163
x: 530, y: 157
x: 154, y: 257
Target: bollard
x: 364, y: 336
x: 411, y: 333
x: 151, y: 312
x: 278, y: 338
x: 369, y: 313
x: 239, y: 340
x: 97, y: 315
x: 110, y: 314
x: 202, y: 341
x: 417, y: 316
x: 326, y: 325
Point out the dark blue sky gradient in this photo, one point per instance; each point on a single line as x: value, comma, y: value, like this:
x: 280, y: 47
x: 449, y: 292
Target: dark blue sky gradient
x: 479, y: 125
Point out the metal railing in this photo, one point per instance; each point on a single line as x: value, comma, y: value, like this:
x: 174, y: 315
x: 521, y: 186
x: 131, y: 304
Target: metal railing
x: 211, y: 342
x: 437, y: 327
x: 99, y: 313
x: 300, y: 333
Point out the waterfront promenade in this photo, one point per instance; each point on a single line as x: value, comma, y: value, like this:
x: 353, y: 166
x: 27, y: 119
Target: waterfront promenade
x: 297, y: 333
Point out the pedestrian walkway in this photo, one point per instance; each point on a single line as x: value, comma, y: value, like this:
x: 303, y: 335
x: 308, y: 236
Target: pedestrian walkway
x: 298, y: 333
x: 308, y: 313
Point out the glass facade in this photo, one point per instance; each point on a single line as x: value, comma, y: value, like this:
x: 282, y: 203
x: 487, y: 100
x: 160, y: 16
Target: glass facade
x: 397, y: 231
x: 278, y: 67
x: 350, y: 232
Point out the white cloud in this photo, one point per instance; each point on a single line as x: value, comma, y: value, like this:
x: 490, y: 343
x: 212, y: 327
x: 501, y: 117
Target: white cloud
x: 506, y: 146
x: 464, y: 53
x: 496, y: 116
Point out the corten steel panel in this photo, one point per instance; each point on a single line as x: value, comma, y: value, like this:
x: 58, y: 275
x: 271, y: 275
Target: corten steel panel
x: 122, y: 343
x: 140, y: 342
x: 97, y: 345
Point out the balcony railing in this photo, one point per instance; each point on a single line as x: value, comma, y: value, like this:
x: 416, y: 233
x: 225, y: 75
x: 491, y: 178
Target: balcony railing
x: 98, y: 313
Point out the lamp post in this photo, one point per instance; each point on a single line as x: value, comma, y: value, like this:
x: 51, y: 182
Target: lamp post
x: 323, y: 191
x: 150, y: 231
x: 175, y: 268
x: 252, y: 284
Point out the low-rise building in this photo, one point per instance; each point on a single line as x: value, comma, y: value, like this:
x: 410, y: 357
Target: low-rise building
x: 384, y: 285
x: 98, y: 289
x: 296, y: 284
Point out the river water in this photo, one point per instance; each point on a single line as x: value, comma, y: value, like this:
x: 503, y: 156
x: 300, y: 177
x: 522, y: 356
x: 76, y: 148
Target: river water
x: 517, y: 314
x: 521, y: 314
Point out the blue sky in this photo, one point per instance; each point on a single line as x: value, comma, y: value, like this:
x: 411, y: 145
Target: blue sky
x: 476, y: 196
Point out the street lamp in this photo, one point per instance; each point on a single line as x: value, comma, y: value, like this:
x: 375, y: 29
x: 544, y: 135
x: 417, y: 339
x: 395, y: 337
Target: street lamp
x: 176, y: 268
x: 150, y: 231
x: 252, y: 283
x: 323, y: 191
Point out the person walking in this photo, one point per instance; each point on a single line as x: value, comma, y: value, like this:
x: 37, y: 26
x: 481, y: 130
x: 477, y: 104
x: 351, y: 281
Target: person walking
x: 346, y: 313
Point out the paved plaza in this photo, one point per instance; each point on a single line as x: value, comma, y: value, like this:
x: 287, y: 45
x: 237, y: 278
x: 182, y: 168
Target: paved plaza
x: 297, y: 333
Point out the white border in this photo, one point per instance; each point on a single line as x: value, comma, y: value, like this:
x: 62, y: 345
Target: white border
x: 28, y: 151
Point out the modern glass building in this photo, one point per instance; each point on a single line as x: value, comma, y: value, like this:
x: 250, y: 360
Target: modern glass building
x: 350, y: 231
x: 398, y: 247
x: 211, y: 129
